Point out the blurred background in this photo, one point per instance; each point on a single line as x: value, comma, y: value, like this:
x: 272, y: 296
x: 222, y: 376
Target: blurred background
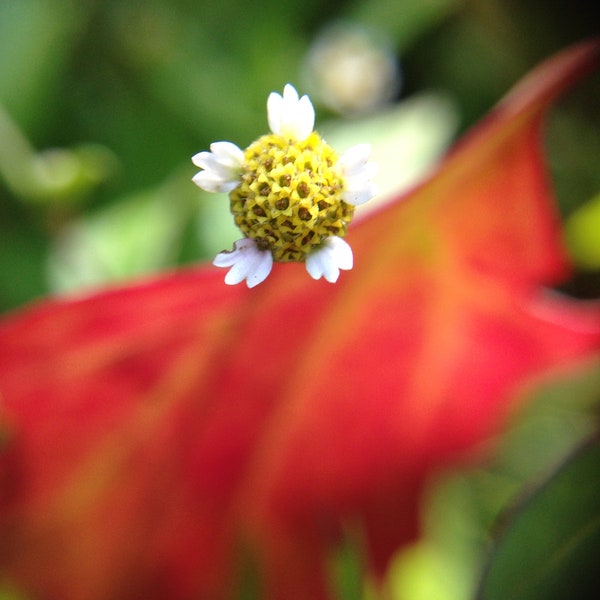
x: 103, y: 102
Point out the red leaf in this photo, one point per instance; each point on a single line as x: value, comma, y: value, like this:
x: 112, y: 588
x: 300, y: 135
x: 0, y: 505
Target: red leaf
x: 153, y: 433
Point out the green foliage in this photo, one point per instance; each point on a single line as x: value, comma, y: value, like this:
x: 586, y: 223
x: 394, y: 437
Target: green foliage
x: 551, y: 542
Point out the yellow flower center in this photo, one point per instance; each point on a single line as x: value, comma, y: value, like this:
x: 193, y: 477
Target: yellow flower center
x: 289, y: 200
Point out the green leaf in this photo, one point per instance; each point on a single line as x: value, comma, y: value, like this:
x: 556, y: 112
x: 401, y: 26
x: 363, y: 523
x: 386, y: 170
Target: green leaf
x: 35, y: 43
x: 550, y: 547
x: 137, y: 235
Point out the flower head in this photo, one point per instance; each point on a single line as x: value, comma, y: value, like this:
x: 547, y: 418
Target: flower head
x: 290, y: 194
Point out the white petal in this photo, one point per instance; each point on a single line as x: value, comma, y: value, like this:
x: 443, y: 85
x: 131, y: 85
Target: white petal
x: 221, y: 167
x: 228, y: 153
x: 314, y: 264
x: 359, y: 195
x: 334, y: 254
x: 261, y: 269
x: 342, y: 253
x: 357, y: 172
x: 322, y: 265
x: 290, y: 116
x: 304, y: 121
x: 368, y: 171
x: 210, y: 162
x: 211, y: 182
x: 274, y: 110
x: 200, y: 158
x: 247, y: 262
x: 290, y: 95
x: 239, y: 271
x: 354, y: 158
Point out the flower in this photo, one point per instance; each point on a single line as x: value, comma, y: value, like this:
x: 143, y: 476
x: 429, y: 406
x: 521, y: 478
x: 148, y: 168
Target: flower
x: 246, y: 262
x: 221, y: 167
x: 335, y: 254
x: 290, y: 194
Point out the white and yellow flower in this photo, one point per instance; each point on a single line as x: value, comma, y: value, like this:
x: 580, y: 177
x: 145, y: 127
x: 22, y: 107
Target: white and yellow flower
x: 290, y: 194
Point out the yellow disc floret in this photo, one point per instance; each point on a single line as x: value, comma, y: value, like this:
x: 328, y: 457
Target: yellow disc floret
x: 289, y: 200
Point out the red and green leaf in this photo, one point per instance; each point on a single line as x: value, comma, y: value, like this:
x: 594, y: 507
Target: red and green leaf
x: 152, y: 435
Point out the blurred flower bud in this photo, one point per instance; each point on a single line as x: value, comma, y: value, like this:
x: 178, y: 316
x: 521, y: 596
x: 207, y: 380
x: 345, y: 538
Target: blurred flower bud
x: 350, y: 71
